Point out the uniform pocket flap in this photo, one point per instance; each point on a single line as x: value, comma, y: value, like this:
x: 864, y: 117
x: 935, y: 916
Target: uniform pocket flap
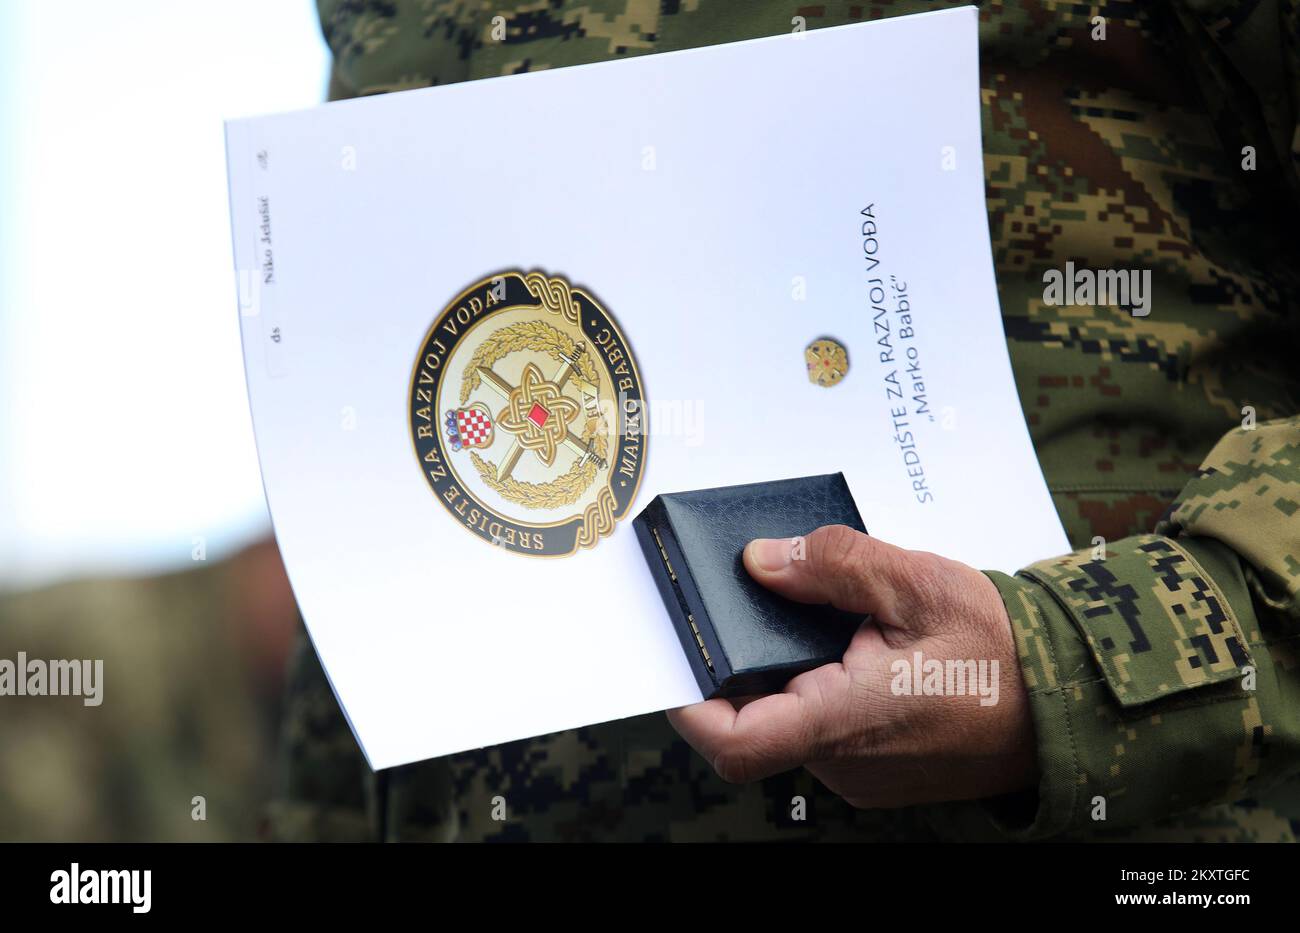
x: 1154, y: 620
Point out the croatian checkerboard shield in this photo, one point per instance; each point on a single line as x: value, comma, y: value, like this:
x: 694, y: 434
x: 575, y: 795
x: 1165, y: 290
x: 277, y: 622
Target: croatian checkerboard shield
x: 469, y: 427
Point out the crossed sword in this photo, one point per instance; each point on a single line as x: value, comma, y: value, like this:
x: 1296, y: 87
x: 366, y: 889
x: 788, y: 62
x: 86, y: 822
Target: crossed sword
x: 562, y: 375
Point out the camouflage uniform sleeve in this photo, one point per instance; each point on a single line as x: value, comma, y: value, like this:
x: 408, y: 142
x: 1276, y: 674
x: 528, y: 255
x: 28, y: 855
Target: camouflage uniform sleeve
x: 1162, y: 668
x: 324, y: 792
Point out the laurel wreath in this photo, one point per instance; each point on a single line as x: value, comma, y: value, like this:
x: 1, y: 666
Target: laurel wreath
x: 538, y: 337
x: 565, y: 489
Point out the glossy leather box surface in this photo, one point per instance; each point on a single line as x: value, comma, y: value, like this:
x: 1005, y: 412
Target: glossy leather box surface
x: 739, y: 637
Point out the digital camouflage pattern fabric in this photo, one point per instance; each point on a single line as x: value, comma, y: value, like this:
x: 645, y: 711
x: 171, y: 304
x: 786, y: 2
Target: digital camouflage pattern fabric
x: 1162, y: 671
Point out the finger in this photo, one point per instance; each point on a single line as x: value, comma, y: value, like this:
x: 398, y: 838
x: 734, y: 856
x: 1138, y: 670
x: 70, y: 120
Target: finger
x: 837, y: 565
x: 766, y: 736
x: 705, y: 726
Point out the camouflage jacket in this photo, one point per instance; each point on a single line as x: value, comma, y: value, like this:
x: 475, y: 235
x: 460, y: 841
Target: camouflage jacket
x: 1161, y: 658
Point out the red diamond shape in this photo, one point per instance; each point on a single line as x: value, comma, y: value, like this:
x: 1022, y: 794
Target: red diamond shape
x: 538, y: 415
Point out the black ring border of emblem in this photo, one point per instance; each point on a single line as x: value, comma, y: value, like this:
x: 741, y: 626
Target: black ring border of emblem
x: 592, y: 318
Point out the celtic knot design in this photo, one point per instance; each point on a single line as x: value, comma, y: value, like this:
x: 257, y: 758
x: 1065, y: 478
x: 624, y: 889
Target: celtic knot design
x: 537, y: 414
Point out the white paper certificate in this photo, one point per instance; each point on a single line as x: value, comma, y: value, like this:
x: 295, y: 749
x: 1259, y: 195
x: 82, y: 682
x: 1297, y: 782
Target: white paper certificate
x: 485, y: 324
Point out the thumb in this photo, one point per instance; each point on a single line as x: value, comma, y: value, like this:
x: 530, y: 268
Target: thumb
x: 838, y: 565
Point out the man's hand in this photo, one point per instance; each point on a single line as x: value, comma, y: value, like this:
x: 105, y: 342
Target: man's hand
x: 852, y: 724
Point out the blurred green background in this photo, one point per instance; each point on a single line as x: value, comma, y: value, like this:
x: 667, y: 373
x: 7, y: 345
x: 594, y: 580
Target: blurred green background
x: 132, y: 523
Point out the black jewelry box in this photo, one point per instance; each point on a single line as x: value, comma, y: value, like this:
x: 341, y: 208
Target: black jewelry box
x: 740, y: 637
